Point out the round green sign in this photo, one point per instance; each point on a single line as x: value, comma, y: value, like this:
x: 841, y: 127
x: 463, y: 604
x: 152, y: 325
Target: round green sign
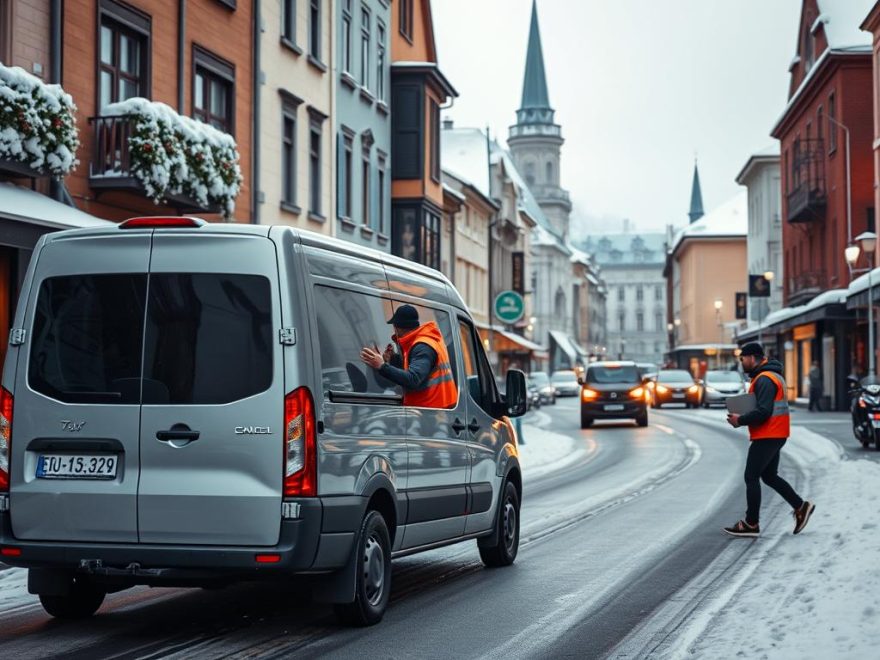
x: 509, y: 307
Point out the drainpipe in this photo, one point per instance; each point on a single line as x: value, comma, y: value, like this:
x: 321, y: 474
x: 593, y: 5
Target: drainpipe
x: 256, y: 93
x: 181, y: 56
x: 56, y: 186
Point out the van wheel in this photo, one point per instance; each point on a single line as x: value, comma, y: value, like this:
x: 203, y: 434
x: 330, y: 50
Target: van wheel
x: 372, y: 575
x: 642, y: 420
x: 586, y: 421
x: 81, y: 602
x: 503, y: 552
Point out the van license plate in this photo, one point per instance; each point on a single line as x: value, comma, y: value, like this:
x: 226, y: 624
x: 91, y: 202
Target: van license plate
x: 613, y: 407
x: 81, y: 466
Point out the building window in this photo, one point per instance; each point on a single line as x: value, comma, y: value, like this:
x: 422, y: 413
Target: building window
x: 658, y: 292
x: 832, y: 127
x: 820, y: 128
x: 380, y: 61
x: 316, y: 121
x: 530, y: 174
x: 416, y: 235
x: 346, y: 175
x: 213, y: 91
x: 406, y: 18
x: 640, y: 322
x: 640, y: 293
x: 549, y: 168
x: 658, y: 322
x: 315, y: 29
x: 5, y: 30
x: 620, y: 322
x: 366, y: 179
x: 435, y: 141
x: 621, y: 294
x: 288, y: 20
x: 123, y: 70
x: 407, y: 128
x: 365, y: 48
x: 288, y: 154
x: 346, y: 36
x: 380, y: 187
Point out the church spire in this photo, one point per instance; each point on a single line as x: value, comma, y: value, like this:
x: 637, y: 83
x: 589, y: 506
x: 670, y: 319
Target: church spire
x: 535, y: 105
x: 696, y: 211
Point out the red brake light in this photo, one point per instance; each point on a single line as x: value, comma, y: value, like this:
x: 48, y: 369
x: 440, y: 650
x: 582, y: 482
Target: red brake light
x: 11, y: 552
x: 5, y: 437
x: 158, y: 222
x: 300, y: 445
x: 267, y: 559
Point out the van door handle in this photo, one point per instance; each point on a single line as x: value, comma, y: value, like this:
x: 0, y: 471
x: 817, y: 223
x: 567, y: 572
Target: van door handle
x: 458, y: 426
x: 473, y: 427
x: 177, y: 434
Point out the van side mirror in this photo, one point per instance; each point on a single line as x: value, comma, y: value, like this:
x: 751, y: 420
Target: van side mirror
x: 517, y: 396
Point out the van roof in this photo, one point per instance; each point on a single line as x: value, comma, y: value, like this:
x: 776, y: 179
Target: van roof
x: 305, y: 237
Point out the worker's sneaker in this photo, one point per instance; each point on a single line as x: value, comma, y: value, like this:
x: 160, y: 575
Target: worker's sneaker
x: 743, y: 529
x: 802, y: 516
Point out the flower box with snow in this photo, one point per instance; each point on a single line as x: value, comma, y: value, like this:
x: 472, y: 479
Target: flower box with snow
x: 147, y: 147
x: 38, y: 135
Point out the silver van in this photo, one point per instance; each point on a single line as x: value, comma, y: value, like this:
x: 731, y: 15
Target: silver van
x: 183, y: 404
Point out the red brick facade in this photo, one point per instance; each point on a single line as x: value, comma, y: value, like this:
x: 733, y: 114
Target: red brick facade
x: 825, y: 84
x: 28, y: 21
x: 210, y: 25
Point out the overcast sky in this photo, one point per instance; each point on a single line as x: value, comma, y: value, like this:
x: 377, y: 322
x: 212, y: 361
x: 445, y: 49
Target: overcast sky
x: 639, y: 87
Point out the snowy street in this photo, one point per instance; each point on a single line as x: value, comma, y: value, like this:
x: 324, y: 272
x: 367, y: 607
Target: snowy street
x: 621, y: 555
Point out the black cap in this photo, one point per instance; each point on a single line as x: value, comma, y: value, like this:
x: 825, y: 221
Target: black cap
x: 753, y: 348
x: 406, y: 317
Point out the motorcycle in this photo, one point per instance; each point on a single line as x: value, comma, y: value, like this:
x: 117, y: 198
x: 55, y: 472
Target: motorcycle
x: 865, y: 409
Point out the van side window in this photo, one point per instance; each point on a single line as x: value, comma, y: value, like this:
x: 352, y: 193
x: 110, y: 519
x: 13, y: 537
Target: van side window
x: 88, y: 338
x: 348, y: 321
x: 209, y: 338
x: 444, y: 322
x: 480, y: 383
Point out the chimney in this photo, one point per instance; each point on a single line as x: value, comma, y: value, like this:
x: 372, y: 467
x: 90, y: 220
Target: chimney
x: 447, y: 123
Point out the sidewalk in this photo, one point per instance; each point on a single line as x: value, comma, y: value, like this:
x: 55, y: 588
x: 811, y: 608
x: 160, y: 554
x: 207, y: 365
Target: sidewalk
x: 815, y: 595
x: 545, y: 451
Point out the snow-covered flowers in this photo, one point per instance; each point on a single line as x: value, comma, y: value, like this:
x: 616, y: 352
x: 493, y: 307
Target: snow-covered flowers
x: 37, y: 125
x: 171, y: 155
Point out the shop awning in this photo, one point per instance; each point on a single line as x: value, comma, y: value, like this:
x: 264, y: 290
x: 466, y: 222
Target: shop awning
x: 25, y: 215
x: 857, y: 292
x: 831, y: 305
x: 506, y: 341
x: 564, y: 344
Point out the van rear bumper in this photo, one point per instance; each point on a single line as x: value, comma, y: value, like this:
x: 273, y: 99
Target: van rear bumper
x: 301, y: 546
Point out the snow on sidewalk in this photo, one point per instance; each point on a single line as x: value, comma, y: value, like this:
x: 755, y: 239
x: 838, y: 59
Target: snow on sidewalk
x: 544, y: 451
x: 815, y: 595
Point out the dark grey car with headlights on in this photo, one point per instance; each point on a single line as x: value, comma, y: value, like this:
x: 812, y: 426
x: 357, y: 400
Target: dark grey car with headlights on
x: 613, y: 390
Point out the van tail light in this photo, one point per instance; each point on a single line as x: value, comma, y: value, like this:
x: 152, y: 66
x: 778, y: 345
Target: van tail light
x: 161, y: 222
x: 300, y: 445
x: 5, y: 437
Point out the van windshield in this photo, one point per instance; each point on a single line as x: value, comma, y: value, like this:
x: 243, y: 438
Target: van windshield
x: 207, y: 340
x: 607, y: 375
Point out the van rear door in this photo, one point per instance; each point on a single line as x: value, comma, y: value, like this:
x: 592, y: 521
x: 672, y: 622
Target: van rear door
x: 75, y: 458
x: 213, y: 397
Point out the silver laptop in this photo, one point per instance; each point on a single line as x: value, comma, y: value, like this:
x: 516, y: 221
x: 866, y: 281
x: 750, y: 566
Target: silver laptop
x: 741, y: 404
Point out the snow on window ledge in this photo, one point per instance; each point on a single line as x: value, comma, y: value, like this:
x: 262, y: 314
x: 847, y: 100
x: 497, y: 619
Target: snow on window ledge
x: 37, y: 124
x: 171, y: 154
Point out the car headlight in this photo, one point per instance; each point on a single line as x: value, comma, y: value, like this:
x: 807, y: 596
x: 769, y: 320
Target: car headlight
x: 693, y: 389
x: 661, y: 389
x: 711, y: 389
x: 588, y: 395
x: 637, y: 393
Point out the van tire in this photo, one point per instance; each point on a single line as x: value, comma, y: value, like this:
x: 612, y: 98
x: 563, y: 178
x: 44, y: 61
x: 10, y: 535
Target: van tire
x: 372, y: 574
x: 506, y: 545
x: 81, y: 602
x: 586, y: 421
x: 642, y: 420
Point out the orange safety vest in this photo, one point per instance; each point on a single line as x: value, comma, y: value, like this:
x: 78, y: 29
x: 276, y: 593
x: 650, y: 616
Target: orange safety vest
x: 439, y: 390
x: 779, y: 424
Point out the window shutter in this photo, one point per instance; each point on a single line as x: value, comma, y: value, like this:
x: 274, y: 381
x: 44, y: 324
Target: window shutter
x: 407, y: 143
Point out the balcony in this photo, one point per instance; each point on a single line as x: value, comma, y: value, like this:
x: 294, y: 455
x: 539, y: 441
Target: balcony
x: 113, y: 168
x: 806, y: 198
x: 806, y: 286
x: 16, y: 169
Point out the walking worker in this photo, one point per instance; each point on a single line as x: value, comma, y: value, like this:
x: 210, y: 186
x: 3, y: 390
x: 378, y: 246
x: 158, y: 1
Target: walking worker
x: 769, y: 427
x: 424, y: 370
x: 815, y: 387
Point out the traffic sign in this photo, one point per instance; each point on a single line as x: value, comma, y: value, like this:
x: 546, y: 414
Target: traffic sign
x: 741, y: 305
x: 759, y: 286
x: 509, y: 307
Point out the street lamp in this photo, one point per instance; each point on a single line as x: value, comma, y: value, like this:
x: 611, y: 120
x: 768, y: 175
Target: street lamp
x: 867, y: 241
x: 848, y: 181
x: 769, y: 275
x: 718, y: 305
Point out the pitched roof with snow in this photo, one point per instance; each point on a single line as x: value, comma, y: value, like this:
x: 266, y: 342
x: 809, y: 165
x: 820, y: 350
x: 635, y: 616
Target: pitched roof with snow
x: 464, y: 153
x: 728, y: 220
x: 627, y: 249
x: 841, y: 20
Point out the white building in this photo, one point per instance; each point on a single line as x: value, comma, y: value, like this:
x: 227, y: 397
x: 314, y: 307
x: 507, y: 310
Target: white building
x: 761, y: 176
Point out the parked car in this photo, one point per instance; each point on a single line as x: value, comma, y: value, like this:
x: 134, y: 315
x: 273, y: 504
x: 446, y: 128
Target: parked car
x: 172, y: 423
x: 675, y: 386
x: 545, y: 387
x: 534, y: 394
x: 565, y: 383
x: 614, y: 390
x: 718, y: 385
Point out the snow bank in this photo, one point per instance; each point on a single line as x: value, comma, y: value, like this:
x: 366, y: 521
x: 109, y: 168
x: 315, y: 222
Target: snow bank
x: 812, y: 595
x: 37, y: 124
x: 545, y: 451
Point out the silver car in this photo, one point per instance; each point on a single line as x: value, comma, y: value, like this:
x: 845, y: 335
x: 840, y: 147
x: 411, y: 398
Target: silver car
x: 189, y: 408
x: 565, y: 383
x: 718, y: 385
